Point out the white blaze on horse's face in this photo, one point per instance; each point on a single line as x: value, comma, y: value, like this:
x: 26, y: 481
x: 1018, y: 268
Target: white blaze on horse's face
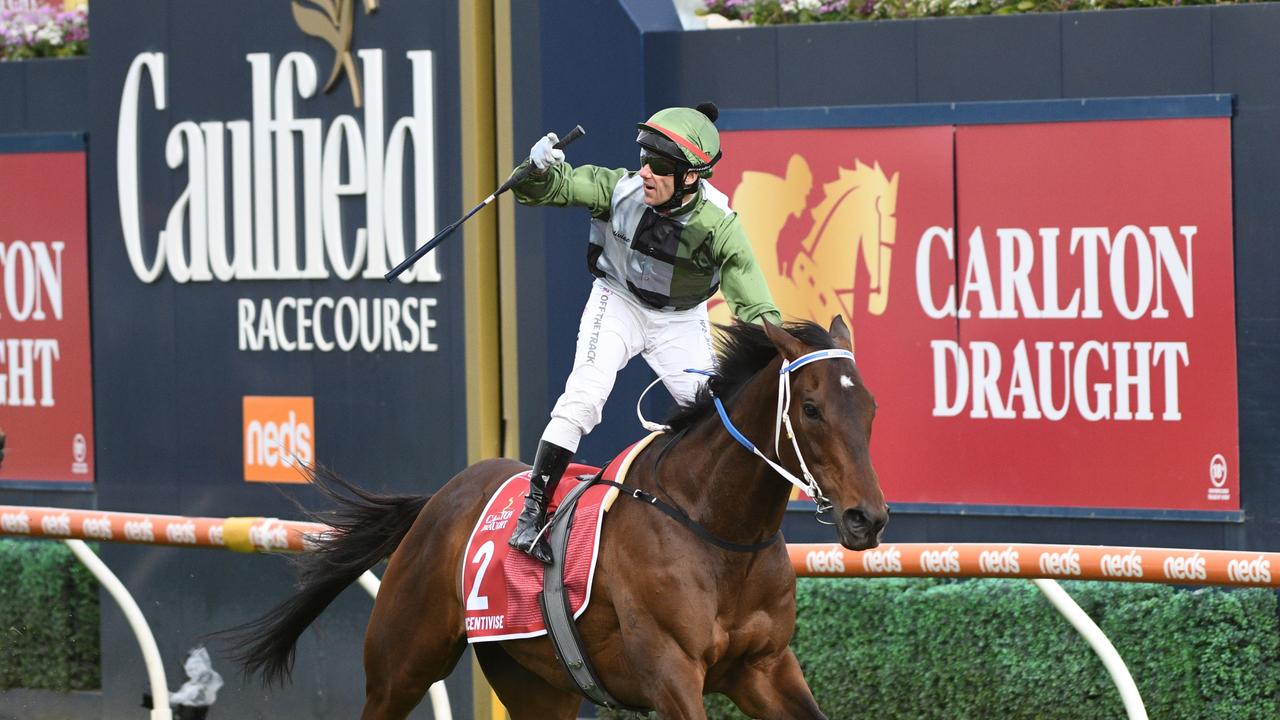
x: 847, y: 382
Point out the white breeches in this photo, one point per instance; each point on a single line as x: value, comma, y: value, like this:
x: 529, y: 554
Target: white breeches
x: 615, y: 328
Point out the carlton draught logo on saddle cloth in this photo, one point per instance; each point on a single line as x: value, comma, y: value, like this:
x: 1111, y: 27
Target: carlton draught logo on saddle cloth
x: 501, y: 584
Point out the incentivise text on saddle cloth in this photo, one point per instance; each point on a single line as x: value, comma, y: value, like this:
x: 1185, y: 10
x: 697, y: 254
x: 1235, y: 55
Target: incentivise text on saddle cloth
x: 662, y: 241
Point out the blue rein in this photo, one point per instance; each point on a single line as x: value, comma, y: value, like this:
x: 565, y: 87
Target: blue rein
x: 724, y: 414
x: 786, y: 369
x: 809, y: 485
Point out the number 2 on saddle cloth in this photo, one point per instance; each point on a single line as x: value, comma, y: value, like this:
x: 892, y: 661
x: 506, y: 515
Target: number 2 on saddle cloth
x: 501, y: 584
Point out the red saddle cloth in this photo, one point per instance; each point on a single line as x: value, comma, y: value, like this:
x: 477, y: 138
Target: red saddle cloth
x: 501, y: 584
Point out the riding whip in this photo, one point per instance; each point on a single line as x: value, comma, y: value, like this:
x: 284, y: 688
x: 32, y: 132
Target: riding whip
x: 408, y: 262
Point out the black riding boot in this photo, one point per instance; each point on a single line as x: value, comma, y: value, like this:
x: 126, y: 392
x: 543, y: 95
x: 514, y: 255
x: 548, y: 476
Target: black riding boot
x: 548, y: 466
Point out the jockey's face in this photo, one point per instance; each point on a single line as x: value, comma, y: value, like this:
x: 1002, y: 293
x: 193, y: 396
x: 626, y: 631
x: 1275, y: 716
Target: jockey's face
x: 658, y: 188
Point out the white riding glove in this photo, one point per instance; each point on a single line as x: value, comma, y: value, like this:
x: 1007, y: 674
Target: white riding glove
x: 544, y: 154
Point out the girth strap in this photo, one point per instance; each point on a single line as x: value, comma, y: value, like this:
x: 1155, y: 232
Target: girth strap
x: 695, y: 528
x: 558, y: 616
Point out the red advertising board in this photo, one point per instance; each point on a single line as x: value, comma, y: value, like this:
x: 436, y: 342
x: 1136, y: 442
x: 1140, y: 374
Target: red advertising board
x: 46, y: 392
x: 1045, y: 312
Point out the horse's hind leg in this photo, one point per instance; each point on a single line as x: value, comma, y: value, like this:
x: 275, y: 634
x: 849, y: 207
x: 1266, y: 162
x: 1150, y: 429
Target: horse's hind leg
x: 415, y: 635
x: 526, y: 696
x: 406, y: 650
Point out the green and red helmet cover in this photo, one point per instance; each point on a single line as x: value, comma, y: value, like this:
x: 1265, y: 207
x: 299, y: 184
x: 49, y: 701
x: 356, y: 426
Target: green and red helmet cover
x: 693, y: 133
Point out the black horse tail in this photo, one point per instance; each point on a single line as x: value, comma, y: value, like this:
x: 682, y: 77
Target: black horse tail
x: 367, y: 528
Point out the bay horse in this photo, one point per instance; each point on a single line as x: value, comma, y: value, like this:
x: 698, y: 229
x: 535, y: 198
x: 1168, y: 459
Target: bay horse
x: 672, y: 617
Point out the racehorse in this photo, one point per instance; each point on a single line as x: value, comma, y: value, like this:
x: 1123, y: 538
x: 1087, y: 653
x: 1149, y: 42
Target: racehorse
x: 672, y: 616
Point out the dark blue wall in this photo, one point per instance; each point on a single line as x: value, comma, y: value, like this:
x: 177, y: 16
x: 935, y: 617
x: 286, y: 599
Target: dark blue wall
x: 1227, y: 49
x: 42, y: 96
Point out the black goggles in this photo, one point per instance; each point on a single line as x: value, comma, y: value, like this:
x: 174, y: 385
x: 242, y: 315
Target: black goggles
x: 658, y: 164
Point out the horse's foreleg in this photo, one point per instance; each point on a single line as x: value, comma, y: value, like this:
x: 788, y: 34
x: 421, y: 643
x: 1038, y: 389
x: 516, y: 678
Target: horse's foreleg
x: 677, y: 690
x: 526, y: 696
x: 774, y: 688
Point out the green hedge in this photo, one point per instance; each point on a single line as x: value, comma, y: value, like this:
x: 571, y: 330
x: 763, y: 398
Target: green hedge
x: 48, y: 619
x: 916, y: 649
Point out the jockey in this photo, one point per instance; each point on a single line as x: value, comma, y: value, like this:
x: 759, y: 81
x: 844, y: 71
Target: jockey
x: 662, y: 241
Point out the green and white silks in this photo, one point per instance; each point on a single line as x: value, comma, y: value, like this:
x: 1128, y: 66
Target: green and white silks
x: 668, y: 262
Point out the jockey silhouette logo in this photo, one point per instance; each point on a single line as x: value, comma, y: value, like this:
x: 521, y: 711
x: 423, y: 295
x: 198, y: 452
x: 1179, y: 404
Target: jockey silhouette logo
x: 822, y: 246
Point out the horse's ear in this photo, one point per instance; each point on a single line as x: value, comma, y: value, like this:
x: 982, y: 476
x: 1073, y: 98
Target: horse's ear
x: 840, y: 333
x: 787, y: 344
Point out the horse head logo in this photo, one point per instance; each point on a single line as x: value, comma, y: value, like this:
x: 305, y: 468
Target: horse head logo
x: 813, y: 273
x: 333, y: 21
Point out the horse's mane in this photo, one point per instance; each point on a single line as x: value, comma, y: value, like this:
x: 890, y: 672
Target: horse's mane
x: 743, y: 350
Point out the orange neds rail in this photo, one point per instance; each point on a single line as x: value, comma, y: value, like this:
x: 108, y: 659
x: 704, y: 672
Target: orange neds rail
x: 1062, y: 562
x: 243, y: 534
x: 988, y: 560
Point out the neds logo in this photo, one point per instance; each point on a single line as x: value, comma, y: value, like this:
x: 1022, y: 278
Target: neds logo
x: 181, y: 532
x: 99, y: 527
x: 56, y: 525
x: 15, y: 522
x: 888, y: 560
x: 1116, y: 565
x: 1185, y: 568
x: 270, y: 535
x: 999, y: 561
x: 140, y: 531
x: 1063, y: 563
x: 1257, y: 570
x: 941, y: 561
x: 825, y: 561
x: 279, y: 436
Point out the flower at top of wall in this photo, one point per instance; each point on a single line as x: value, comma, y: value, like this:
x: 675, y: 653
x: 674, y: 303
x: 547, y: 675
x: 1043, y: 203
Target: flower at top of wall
x: 736, y: 13
x: 43, y: 32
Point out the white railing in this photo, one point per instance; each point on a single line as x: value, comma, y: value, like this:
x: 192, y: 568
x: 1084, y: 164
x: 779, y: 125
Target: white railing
x: 141, y: 630
x: 1100, y: 643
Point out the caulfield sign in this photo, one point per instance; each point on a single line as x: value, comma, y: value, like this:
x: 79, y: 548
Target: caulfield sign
x: 266, y: 190
x: 1036, y: 352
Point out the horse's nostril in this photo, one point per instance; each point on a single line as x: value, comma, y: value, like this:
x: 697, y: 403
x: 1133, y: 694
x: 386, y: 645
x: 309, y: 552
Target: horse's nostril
x: 855, y: 519
x: 859, y: 520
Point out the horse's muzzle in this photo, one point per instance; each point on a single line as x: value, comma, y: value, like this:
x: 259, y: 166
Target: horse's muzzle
x: 860, y: 527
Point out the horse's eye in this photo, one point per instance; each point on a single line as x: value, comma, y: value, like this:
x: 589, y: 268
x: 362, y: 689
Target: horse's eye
x: 811, y: 411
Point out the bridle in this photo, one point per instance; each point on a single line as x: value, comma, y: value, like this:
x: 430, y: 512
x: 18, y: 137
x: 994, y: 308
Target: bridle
x: 809, y: 485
